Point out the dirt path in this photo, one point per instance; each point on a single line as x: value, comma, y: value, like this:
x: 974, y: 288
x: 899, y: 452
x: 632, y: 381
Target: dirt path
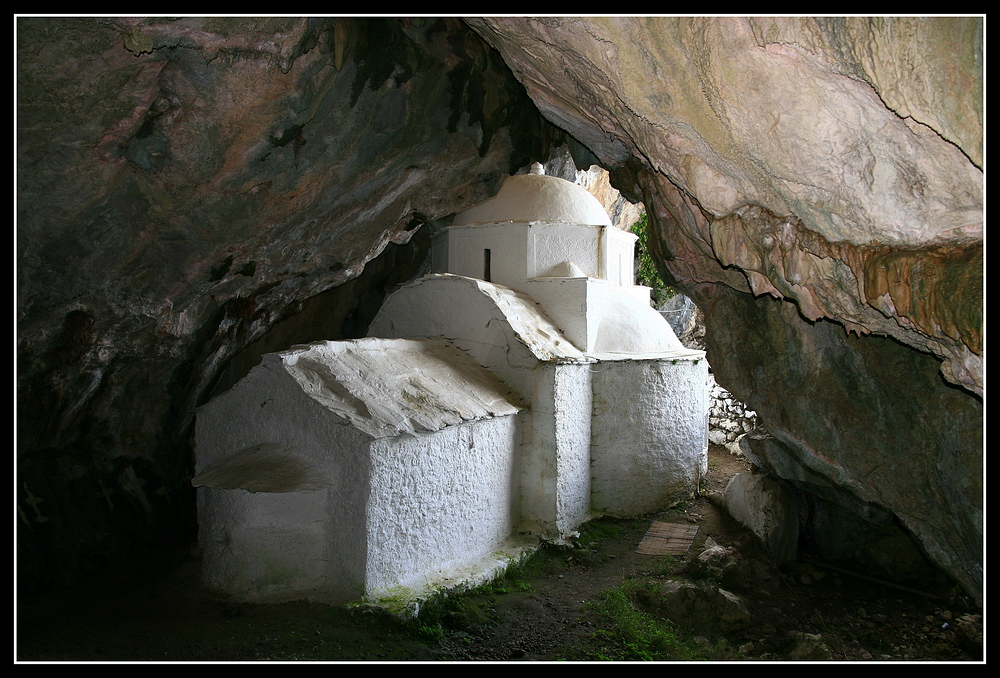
x: 595, y: 601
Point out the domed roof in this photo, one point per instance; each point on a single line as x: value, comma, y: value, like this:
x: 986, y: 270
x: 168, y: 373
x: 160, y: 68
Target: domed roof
x: 633, y: 327
x: 537, y: 197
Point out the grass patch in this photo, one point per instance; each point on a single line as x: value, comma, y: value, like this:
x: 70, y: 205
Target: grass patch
x: 445, y: 613
x: 600, y: 529
x: 472, y: 608
x: 627, y: 633
x: 667, y: 566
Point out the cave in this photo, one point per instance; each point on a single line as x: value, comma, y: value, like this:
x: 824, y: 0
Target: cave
x: 196, y: 192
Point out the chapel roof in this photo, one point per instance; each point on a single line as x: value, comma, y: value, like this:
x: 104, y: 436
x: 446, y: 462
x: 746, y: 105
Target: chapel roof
x: 390, y: 387
x: 537, y: 197
x: 408, y: 312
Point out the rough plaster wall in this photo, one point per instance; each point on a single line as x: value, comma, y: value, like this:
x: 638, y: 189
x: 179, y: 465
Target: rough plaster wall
x: 269, y: 406
x: 649, y: 440
x: 554, y: 482
x: 574, y: 304
x: 572, y: 395
x: 427, y: 309
x: 439, y: 503
x: 553, y: 244
x: 620, y: 265
x: 268, y: 547
x: 539, y: 471
x: 400, y: 511
x: 507, y: 243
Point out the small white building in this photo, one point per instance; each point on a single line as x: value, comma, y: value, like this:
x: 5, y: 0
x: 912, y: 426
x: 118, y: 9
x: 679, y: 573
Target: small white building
x: 524, y: 388
x: 360, y: 468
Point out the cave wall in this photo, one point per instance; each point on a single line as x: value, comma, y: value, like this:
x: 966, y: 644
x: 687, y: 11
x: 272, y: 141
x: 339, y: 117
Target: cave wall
x: 777, y: 117
x: 197, y: 189
x: 190, y: 188
x: 816, y: 186
x: 867, y: 413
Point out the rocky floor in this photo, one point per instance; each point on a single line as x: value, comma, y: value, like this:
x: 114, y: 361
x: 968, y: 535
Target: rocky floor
x: 598, y: 600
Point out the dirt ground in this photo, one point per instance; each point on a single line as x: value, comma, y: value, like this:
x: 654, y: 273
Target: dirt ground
x: 590, y: 602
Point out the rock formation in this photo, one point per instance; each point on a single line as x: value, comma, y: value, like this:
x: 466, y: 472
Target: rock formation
x: 816, y: 187
x: 194, y: 192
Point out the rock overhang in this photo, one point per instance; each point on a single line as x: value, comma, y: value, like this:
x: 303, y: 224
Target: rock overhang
x: 105, y: 343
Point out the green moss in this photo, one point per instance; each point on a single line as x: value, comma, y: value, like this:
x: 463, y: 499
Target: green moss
x: 400, y: 602
x: 627, y: 633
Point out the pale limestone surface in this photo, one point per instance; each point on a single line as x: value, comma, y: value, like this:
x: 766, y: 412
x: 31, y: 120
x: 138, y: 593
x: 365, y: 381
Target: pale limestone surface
x: 735, y: 119
x: 768, y: 510
x: 834, y: 164
x: 785, y: 116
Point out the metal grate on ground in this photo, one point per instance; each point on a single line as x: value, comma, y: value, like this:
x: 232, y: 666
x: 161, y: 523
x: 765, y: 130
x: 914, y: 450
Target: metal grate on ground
x: 667, y: 539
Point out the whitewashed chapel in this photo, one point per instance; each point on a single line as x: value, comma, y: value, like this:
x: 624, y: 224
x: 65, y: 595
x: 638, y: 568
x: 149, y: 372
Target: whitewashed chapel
x: 521, y: 390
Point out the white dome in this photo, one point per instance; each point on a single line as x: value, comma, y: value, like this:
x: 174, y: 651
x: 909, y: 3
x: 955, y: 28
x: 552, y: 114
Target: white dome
x: 537, y: 197
x: 631, y: 326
